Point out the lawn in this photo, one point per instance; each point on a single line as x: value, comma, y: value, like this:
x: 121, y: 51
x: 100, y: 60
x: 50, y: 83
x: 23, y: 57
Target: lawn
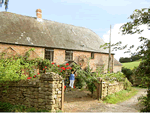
x: 120, y: 96
x: 131, y: 65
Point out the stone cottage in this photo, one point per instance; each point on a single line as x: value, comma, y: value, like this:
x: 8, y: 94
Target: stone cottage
x: 52, y: 40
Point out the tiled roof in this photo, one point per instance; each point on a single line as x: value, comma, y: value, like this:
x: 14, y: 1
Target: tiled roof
x: 25, y: 30
x: 117, y: 63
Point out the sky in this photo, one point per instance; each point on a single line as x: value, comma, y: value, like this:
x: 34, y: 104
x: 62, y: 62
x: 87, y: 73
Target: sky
x: 96, y: 15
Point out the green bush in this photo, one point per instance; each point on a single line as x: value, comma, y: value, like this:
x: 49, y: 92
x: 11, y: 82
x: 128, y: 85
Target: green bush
x: 127, y: 84
x: 145, y: 100
x: 119, y: 76
x: 128, y: 73
x: 79, y: 83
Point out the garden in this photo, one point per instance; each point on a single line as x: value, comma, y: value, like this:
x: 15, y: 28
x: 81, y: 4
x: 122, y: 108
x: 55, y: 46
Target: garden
x: 18, y: 68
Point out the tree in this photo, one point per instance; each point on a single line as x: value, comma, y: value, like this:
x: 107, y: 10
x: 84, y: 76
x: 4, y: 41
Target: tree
x: 5, y: 3
x: 139, y: 17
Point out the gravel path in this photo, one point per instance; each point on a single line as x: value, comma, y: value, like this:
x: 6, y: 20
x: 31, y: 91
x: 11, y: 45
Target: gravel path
x: 86, y: 104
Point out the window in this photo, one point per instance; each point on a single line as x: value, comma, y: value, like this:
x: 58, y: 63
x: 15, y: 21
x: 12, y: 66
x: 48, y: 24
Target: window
x: 68, y: 55
x: 92, y: 55
x: 49, y: 54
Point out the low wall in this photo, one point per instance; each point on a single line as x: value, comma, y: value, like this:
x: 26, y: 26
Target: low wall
x: 44, y: 93
x: 105, y: 88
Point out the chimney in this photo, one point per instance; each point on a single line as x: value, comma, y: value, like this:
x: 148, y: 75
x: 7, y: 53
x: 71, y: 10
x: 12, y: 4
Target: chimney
x: 39, y: 14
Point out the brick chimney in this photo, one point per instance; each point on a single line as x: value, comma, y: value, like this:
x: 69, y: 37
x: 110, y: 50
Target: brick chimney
x: 39, y: 14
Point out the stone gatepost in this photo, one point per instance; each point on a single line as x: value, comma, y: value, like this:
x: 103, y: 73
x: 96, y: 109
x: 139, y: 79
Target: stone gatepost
x: 51, y: 87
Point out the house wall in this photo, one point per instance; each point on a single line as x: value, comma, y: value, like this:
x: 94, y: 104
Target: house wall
x: 59, y: 58
x: 117, y: 68
x: 22, y: 49
x: 59, y: 55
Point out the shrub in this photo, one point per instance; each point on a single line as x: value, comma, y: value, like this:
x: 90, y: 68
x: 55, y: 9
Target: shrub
x: 127, y: 84
x: 145, y: 100
x: 128, y: 73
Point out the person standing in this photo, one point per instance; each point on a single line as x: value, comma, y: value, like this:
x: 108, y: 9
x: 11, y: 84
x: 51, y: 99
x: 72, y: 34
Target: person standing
x: 72, y: 79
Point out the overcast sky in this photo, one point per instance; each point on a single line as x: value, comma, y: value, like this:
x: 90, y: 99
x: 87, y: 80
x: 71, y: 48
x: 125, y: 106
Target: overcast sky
x: 96, y: 15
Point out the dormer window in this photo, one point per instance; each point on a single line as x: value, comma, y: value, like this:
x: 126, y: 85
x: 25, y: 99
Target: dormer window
x: 92, y: 55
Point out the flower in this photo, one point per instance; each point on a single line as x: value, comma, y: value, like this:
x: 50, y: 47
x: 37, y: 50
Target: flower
x: 38, y: 73
x: 63, y: 68
x: 45, y: 67
x: 61, y: 71
x: 34, y: 76
x: 68, y: 68
x: 64, y: 87
x: 53, y: 63
x: 67, y: 64
x: 74, y: 87
x: 29, y: 77
x: 58, y: 66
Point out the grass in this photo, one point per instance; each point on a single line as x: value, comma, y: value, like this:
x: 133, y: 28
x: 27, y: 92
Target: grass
x: 120, y: 96
x: 131, y: 65
x: 7, y: 107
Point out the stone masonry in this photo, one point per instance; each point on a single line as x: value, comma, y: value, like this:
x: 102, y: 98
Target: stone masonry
x: 43, y: 93
x: 105, y: 88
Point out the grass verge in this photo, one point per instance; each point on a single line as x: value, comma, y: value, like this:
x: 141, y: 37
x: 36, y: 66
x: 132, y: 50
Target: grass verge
x: 7, y: 107
x: 120, y: 96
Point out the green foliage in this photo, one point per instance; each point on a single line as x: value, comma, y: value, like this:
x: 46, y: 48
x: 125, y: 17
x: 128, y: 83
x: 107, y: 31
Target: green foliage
x: 6, y: 4
x: 126, y: 59
x: 120, y: 96
x: 140, y: 17
x: 7, y: 107
x: 128, y: 73
x: 85, y: 78
x: 129, y: 59
x: 119, y: 76
x: 142, y: 72
x: 80, y: 83
x: 127, y: 84
x: 145, y: 100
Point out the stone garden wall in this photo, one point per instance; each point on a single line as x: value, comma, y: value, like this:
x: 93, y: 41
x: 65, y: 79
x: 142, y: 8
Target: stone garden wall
x: 107, y: 88
x: 43, y: 93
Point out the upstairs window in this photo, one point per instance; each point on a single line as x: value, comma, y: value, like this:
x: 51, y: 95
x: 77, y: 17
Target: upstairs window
x: 69, y: 55
x: 49, y: 54
x: 92, y: 55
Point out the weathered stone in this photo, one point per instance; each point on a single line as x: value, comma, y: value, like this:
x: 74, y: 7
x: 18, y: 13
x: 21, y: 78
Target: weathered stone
x: 51, y: 85
x: 41, y: 92
x: 58, y: 96
x: 40, y: 100
x: 59, y: 92
x: 59, y: 85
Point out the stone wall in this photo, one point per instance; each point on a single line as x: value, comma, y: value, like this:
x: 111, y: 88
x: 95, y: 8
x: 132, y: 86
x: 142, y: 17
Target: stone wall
x: 105, y: 88
x: 44, y: 93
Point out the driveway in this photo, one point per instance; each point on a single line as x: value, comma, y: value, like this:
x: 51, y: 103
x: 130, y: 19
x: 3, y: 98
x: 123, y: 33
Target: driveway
x: 83, y: 103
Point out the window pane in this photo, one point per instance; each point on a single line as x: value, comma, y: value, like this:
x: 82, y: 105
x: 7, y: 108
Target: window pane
x: 49, y: 54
